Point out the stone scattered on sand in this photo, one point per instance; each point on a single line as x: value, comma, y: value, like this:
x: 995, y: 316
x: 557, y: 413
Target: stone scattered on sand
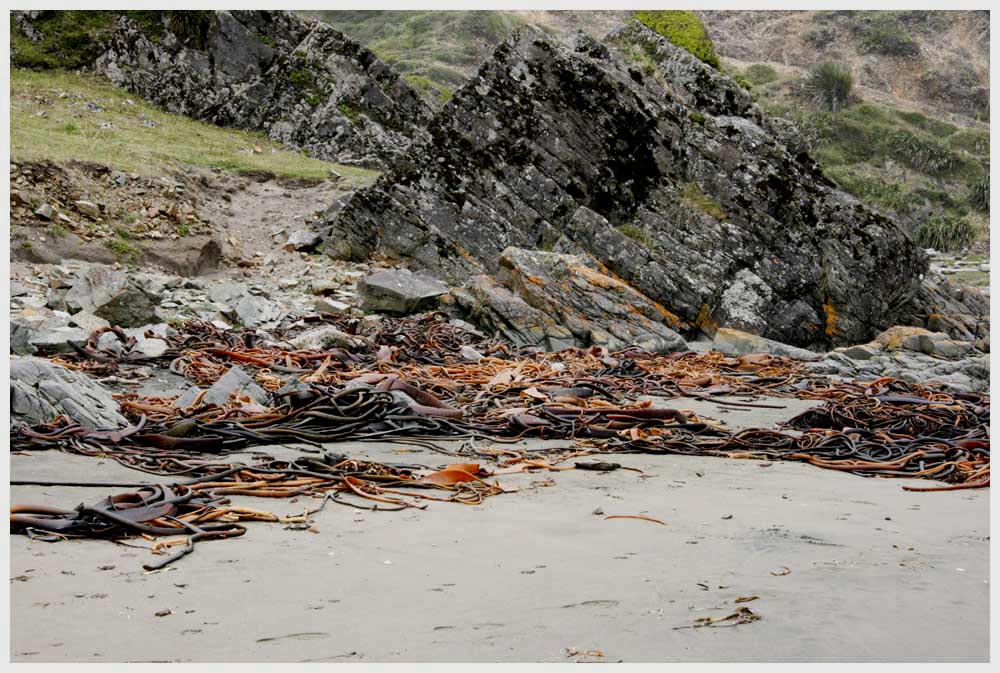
x: 124, y: 300
x: 912, y: 354
x: 235, y: 382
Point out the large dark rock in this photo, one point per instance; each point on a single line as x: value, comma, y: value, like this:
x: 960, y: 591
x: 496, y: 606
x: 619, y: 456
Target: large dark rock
x: 303, y: 82
x: 657, y: 165
x: 554, y: 301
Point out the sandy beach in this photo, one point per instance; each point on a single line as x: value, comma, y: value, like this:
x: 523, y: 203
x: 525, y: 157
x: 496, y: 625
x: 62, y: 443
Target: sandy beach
x: 874, y: 573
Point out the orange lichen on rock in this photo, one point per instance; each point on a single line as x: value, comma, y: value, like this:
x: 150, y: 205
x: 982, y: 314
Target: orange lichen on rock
x: 705, y: 322
x: 831, y: 319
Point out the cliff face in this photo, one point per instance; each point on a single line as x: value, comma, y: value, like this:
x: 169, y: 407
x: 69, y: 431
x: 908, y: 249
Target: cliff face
x: 654, y: 165
x: 304, y: 83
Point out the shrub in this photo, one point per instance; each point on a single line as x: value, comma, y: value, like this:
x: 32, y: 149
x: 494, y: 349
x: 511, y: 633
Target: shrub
x: 684, y: 29
x: 979, y: 195
x: 301, y: 79
x: 885, y: 35
x: 760, y: 73
x: 971, y: 141
x: 191, y: 26
x: 741, y: 80
x: 830, y: 85
x: 945, y: 232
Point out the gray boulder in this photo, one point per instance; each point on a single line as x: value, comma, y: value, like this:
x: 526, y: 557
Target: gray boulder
x: 40, y: 391
x: 303, y: 240
x: 121, y: 299
x: 399, y: 291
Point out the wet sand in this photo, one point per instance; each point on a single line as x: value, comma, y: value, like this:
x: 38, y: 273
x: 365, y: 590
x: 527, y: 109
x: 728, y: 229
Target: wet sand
x: 875, y: 573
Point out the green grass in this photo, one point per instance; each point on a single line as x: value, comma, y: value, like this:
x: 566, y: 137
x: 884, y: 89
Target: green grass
x: 697, y: 198
x: 122, y: 246
x: 636, y: 234
x: 67, y: 132
x: 946, y: 233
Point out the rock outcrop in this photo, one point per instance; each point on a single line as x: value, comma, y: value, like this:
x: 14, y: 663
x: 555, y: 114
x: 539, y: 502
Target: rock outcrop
x: 554, y: 301
x: 654, y: 164
x: 302, y: 82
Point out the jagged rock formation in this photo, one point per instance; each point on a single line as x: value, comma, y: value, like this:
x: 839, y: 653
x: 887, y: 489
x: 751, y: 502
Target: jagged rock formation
x: 656, y: 165
x: 554, y: 301
x: 304, y: 83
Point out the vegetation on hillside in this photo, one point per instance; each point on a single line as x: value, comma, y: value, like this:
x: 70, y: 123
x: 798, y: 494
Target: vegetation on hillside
x: 59, y: 116
x: 920, y: 168
x: 830, y: 85
x: 70, y: 40
x: 684, y: 29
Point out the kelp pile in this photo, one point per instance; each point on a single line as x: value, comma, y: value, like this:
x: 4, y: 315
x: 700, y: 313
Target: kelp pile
x: 427, y: 378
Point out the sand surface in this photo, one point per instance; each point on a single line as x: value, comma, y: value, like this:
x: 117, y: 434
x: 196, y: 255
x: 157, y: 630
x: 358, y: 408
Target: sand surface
x: 875, y: 573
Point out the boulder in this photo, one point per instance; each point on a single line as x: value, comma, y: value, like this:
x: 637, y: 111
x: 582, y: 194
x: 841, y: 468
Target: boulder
x: 734, y: 342
x: 399, y: 291
x: 88, y: 322
x: 239, y: 303
x: 46, y: 212
x: 52, y: 340
x: 327, y: 305
x: 662, y: 169
x: 40, y: 391
x: 555, y: 301
x: 28, y: 324
x: 121, y: 299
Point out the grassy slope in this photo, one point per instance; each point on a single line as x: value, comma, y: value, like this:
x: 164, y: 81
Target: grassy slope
x: 67, y: 130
